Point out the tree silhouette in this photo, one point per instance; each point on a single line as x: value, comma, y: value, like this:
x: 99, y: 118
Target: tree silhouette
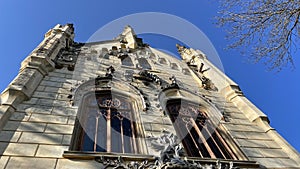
x: 270, y: 27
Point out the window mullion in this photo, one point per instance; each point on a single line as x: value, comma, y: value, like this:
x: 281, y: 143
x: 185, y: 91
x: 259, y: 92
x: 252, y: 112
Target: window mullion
x: 212, y: 155
x: 108, y: 130
x: 195, y: 143
x: 226, y: 146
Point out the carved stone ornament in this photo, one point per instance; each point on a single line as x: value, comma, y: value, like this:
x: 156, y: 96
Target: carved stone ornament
x: 171, y: 157
x: 174, y: 83
x: 208, y: 84
x: 67, y: 57
x: 148, y: 76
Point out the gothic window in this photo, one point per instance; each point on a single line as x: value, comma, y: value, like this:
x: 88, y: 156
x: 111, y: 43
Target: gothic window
x: 127, y: 61
x: 144, y: 63
x: 199, y: 136
x: 174, y: 66
x: 186, y: 71
x: 163, y: 61
x: 106, y: 124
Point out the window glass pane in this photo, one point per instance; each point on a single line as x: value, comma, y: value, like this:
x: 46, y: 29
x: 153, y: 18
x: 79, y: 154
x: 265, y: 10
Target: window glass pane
x: 107, y: 125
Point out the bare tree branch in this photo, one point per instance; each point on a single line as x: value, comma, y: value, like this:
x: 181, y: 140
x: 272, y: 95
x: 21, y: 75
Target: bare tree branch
x: 270, y: 27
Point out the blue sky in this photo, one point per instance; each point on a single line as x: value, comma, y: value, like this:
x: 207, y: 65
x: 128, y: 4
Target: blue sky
x: 24, y: 23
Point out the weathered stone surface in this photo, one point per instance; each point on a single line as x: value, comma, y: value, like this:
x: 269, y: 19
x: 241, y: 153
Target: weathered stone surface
x: 3, y: 161
x: 51, y: 83
x: 14, y: 149
x: 41, y: 138
x: 66, y: 140
x: 46, y: 118
x: 26, y: 81
x: 39, y: 109
x: 24, y: 126
x: 64, y: 111
x: 9, y: 136
x: 24, y: 162
x: 51, y: 151
x: 77, y: 164
x: 45, y: 95
x: 5, y: 113
x: 62, y: 129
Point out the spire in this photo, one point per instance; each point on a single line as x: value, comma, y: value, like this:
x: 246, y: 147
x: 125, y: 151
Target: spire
x: 188, y: 54
x: 129, y: 37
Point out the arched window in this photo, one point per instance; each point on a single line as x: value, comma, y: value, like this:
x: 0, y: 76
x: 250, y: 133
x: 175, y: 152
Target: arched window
x: 106, y: 123
x: 144, y: 63
x: 126, y: 61
x: 200, y: 137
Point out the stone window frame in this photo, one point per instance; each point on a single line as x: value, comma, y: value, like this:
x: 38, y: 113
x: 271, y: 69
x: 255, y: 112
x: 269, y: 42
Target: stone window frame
x: 193, y: 118
x: 127, y: 66
x: 137, y: 104
x: 171, y: 93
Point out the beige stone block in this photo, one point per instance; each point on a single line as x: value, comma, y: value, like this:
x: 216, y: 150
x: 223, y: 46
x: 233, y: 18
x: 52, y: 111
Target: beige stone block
x: 45, y: 102
x: 288, y: 163
x: 252, y: 152
x: 48, y: 118
x: 257, y: 135
x: 66, y: 139
x: 22, y: 107
x: 275, y: 153
x: 51, y: 151
x: 41, y: 138
x: 271, y: 144
x: 78, y: 164
x: 57, y: 74
x: 147, y: 126
x: 9, y: 136
x: 51, y: 89
x: 269, y: 162
x: 238, y: 134
x: 64, y: 111
x: 64, y: 91
x: 235, y: 127
x: 44, y: 95
x: 50, y: 83
x: 3, y: 161
x: 57, y: 79
x: 56, y: 128
x: 251, y: 143
x: 152, y: 119
x: 71, y: 120
x: 19, y: 149
x: 31, y: 101
x: 39, y: 109
x: 31, y: 163
x: 40, y: 88
x: 62, y: 103
x: 19, y: 116
x: 24, y: 126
